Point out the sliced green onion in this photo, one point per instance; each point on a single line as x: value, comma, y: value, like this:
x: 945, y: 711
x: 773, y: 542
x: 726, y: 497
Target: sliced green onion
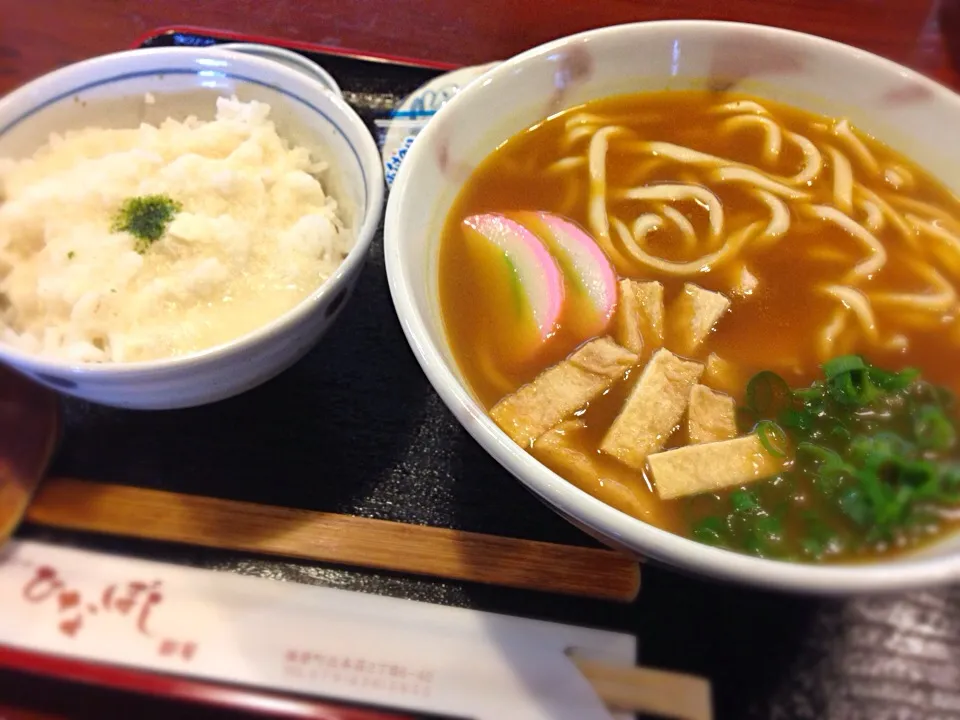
x: 873, y: 450
x: 796, y: 419
x: 710, y: 530
x: 810, y: 393
x: 819, y: 537
x: 822, y: 454
x: 950, y: 477
x: 915, y: 474
x: 772, y: 437
x: 843, y: 364
x: 769, y: 526
x: 767, y: 393
x: 901, y: 502
x: 839, y: 433
x: 892, y: 381
x: 853, y: 504
x: 933, y: 430
x: 813, y: 546
x: 875, y: 491
x: 744, y: 501
x: 852, y: 388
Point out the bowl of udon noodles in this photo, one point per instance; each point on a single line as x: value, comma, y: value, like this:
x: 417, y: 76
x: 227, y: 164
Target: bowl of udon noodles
x: 177, y: 225
x: 695, y: 285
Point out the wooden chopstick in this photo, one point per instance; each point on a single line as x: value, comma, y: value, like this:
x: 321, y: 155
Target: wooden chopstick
x: 656, y: 692
x: 330, y: 537
x: 349, y: 540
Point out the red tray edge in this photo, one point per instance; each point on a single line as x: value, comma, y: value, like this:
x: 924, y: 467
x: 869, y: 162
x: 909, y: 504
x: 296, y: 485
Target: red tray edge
x: 182, y: 689
x: 296, y: 45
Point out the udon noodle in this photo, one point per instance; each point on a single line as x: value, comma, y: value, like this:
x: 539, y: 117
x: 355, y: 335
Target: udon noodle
x: 850, y: 170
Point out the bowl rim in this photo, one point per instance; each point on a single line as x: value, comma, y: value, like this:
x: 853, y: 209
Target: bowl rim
x: 900, y: 574
x: 299, y: 86
x: 275, y: 53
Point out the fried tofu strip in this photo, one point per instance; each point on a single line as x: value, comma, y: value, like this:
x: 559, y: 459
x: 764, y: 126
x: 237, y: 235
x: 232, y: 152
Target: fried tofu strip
x: 722, y: 375
x: 693, y: 315
x: 711, y: 417
x: 653, y: 409
x: 556, y: 450
x: 639, y: 321
x: 747, y: 283
x: 561, y: 390
x: 696, y: 469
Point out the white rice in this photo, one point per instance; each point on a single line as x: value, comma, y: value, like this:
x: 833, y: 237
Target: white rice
x: 257, y: 233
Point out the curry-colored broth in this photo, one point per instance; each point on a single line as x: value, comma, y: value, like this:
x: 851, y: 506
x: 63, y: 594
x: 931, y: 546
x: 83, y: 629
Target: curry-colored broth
x: 774, y: 328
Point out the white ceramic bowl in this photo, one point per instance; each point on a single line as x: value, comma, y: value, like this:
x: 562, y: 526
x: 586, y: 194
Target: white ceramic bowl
x: 285, y: 57
x: 110, y: 91
x: 902, y: 108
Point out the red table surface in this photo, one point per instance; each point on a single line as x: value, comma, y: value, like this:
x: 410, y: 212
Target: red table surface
x: 37, y: 36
